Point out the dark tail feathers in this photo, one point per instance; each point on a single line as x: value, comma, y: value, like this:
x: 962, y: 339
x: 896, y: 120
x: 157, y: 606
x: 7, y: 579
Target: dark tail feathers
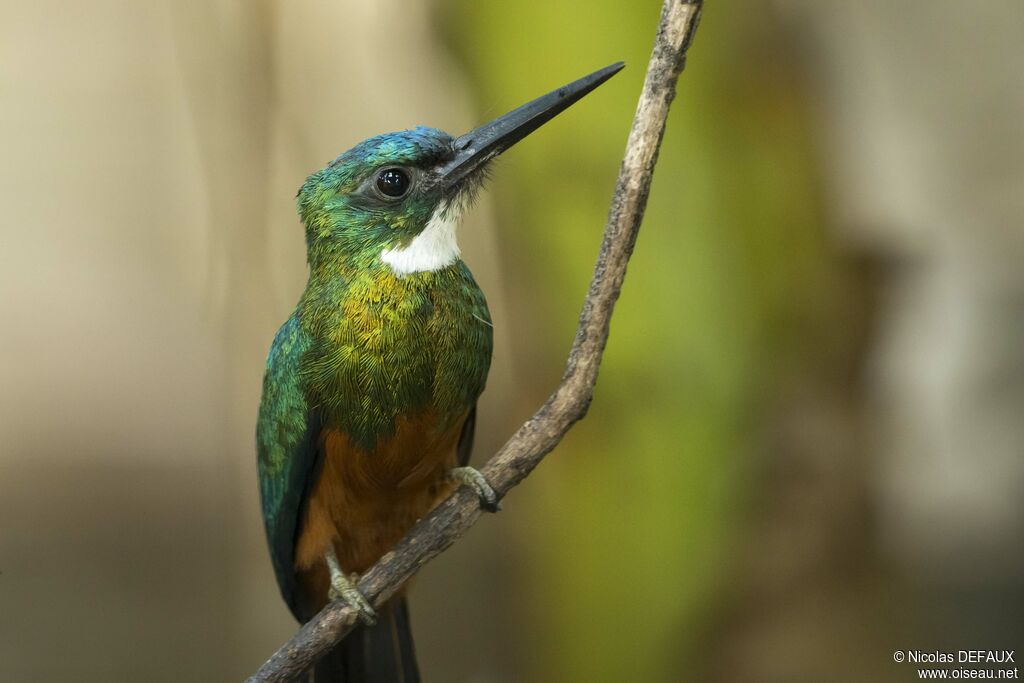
x: 382, y: 653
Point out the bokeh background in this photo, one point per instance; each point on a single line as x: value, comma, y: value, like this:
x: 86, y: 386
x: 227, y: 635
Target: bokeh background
x: 806, y: 446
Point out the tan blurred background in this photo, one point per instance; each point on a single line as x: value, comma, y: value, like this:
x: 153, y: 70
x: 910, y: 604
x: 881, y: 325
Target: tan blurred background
x: 806, y: 446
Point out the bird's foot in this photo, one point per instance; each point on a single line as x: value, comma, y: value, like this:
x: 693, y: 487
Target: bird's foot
x: 344, y: 588
x: 471, y: 477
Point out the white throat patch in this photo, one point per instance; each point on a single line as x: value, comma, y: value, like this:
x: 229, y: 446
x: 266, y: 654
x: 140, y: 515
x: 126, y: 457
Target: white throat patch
x: 433, y: 249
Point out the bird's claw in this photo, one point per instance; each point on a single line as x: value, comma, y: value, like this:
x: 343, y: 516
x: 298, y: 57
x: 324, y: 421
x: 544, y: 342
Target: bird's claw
x: 471, y: 477
x: 344, y: 588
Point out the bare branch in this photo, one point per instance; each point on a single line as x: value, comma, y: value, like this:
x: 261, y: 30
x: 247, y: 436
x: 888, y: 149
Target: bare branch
x: 542, y: 432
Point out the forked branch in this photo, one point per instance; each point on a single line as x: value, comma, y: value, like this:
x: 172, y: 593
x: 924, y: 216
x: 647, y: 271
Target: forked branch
x: 542, y: 432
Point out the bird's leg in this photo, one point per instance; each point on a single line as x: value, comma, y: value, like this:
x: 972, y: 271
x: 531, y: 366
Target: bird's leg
x: 344, y: 588
x: 471, y: 477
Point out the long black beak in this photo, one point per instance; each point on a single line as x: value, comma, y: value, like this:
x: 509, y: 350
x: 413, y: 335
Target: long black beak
x: 480, y: 145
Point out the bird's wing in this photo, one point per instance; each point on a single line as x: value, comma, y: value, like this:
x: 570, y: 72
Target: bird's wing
x: 287, y: 439
x: 465, y: 447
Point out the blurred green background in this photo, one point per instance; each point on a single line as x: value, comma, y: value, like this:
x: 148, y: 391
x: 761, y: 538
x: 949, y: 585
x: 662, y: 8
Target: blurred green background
x: 805, y: 448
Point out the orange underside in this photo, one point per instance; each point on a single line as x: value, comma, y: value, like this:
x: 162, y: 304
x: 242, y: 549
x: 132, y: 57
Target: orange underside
x: 363, y: 503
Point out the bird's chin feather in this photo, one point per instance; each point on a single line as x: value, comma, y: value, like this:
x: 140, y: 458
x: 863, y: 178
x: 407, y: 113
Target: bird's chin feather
x: 437, y: 246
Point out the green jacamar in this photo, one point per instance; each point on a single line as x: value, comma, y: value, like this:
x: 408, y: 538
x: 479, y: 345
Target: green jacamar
x: 370, y: 391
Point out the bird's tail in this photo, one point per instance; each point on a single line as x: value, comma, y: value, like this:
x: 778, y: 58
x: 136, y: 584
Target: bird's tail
x: 382, y: 653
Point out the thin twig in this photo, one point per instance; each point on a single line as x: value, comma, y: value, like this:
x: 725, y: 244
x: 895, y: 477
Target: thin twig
x: 542, y: 432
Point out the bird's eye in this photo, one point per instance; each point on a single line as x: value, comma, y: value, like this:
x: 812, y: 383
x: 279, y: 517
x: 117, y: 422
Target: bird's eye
x: 393, y: 182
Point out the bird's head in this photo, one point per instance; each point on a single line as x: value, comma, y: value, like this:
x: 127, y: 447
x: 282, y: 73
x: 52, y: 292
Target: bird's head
x: 396, y: 199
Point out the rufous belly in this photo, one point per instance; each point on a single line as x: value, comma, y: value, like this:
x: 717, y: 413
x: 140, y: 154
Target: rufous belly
x: 365, y: 502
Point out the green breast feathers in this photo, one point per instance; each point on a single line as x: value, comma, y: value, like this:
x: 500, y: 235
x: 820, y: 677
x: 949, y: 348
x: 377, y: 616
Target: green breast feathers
x: 383, y: 346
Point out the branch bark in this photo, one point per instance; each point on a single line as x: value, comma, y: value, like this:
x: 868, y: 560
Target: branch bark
x: 570, y: 401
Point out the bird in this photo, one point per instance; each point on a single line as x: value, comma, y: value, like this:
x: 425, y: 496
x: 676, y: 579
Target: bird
x: 368, y: 407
